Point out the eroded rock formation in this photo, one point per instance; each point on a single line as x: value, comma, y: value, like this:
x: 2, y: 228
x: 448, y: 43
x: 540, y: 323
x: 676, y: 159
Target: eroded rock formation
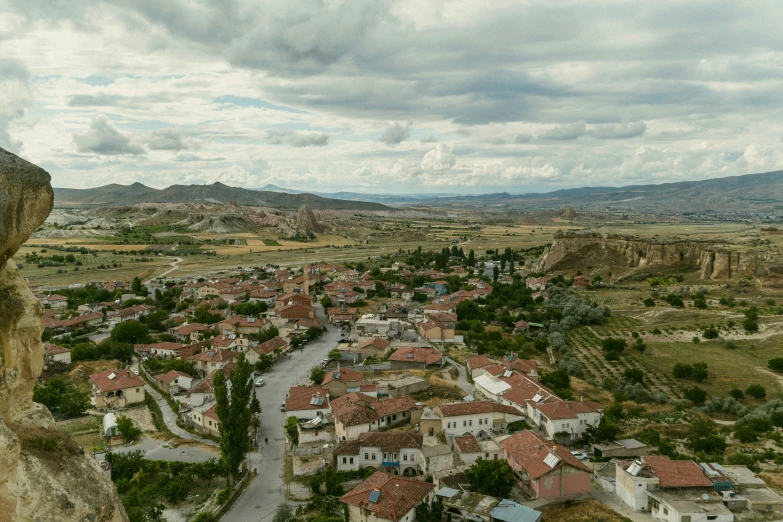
x: 717, y: 261
x: 36, y: 484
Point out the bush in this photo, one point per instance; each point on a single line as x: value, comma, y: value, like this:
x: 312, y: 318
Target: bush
x: 710, y: 333
x: 756, y: 391
x: 223, y: 495
x: 696, y: 395
x: 649, y: 302
x: 776, y: 364
x: 634, y: 375
x: 700, y: 372
x: 736, y: 393
x: 682, y: 371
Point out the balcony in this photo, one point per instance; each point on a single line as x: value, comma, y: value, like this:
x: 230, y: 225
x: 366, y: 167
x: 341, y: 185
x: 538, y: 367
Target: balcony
x: 390, y: 464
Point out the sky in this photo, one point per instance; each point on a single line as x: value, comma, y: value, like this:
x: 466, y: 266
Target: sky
x: 405, y: 96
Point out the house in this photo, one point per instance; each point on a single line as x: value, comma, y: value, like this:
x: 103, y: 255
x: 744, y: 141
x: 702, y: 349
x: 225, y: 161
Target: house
x: 634, y: 481
x: 266, y: 348
x: 436, y: 332
x: 521, y: 327
x: 54, y: 353
x: 476, y: 363
x: 621, y: 448
x: 305, y: 402
x: 211, y: 360
x: 394, y: 453
x: 292, y: 298
x: 581, y: 281
x: 341, y: 381
x: 566, y: 419
x: 189, y: 331
x: 297, y: 311
x: 459, y: 505
x: 467, y: 449
x: 116, y: 389
x: 480, y: 418
x: 387, y: 498
x: 375, y: 347
x: 54, y: 301
x: 536, y: 283
x: 415, y: 357
x: 134, y: 313
x: 205, y: 420
x: 544, y: 469
x: 263, y: 296
x: 166, y: 349
x: 230, y: 342
x: 172, y: 382
x: 356, y: 413
x: 240, y: 325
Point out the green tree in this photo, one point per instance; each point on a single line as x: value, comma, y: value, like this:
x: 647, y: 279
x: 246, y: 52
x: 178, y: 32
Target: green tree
x: 127, y: 430
x: 264, y: 363
x: 611, y: 344
x: 131, y: 332
x: 292, y: 431
x: 233, y: 408
x: 756, y: 391
x: 710, y: 333
x: 495, y: 274
x: 74, y: 402
x: 284, y: 513
x: 335, y: 354
x: 700, y: 372
x: 317, y: 375
x: 426, y: 512
x: 326, y: 302
x: 649, y: 302
x: 776, y: 364
x: 491, y: 477
x: 682, y: 371
x: 695, y: 395
x: 737, y: 393
x: 136, y: 286
x: 471, y: 258
x: 634, y: 375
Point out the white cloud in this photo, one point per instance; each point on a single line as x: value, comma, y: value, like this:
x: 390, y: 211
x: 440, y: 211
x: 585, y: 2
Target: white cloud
x: 396, y: 134
x: 166, y: 139
x: 570, y: 131
x: 621, y: 130
x: 440, y: 158
x: 297, y: 138
x: 104, y: 138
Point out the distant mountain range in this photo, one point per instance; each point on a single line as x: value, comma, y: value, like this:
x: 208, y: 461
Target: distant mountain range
x: 747, y: 194
x: 116, y: 195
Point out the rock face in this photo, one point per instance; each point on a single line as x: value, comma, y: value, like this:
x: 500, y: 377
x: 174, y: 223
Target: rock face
x: 45, y: 486
x: 306, y: 222
x: 716, y: 261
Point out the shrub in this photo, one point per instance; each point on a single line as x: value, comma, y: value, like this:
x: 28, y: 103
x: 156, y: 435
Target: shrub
x: 682, y: 371
x: 756, y: 391
x: 649, y: 302
x: 710, y: 333
x: 223, y: 495
x: 776, y: 364
x: 634, y: 375
x: 696, y: 395
x: 736, y: 393
x: 700, y: 372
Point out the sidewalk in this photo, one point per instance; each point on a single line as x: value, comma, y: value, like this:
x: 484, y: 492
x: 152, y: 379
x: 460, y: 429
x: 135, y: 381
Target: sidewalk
x: 170, y: 418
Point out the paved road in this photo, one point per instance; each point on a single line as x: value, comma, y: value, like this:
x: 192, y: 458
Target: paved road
x: 463, y: 377
x: 169, y: 417
x: 161, y: 450
x: 267, y: 490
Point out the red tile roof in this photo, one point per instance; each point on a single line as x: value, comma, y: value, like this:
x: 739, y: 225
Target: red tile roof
x: 456, y: 409
x: 530, y: 450
x: 53, y: 349
x: 111, y: 380
x: 300, y: 398
x: 214, y: 356
x: 398, y: 495
x: 343, y: 375
x: 169, y: 376
x: 354, y: 408
x: 478, y: 361
x: 376, y: 342
x: 271, y: 345
x: 467, y: 444
x: 557, y: 410
x: 676, y: 473
x: 416, y: 354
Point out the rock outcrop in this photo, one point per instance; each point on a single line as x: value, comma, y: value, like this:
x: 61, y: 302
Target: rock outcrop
x: 35, y: 484
x: 306, y: 222
x: 716, y: 261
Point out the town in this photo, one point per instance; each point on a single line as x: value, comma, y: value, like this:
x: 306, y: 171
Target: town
x: 426, y: 386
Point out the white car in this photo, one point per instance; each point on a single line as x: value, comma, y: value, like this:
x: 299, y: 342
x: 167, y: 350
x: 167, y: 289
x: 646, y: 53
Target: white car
x: 260, y: 382
x: 580, y: 455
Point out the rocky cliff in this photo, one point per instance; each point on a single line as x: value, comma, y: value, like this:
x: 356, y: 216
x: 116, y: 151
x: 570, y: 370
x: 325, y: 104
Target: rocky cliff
x: 717, y: 261
x: 52, y: 481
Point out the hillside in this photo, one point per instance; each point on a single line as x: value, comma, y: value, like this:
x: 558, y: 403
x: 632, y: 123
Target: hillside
x: 113, y: 195
x: 747, y: 194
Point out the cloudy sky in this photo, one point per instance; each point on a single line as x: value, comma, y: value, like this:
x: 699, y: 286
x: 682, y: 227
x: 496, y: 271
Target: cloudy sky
x: 392, y: 96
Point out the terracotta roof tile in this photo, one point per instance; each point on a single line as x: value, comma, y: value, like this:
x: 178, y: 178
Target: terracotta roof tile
x: 116, y: 380
x: 676, y: 473
x: 397, y: 495
x: 530, y: 450
x: 456, y: 409
x: 467, y: 444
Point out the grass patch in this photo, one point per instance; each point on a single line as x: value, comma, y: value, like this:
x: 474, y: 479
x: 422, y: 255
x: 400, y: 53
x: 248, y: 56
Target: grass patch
x: 587, y: 511
x: 271, y: 242
x: 157, y: 414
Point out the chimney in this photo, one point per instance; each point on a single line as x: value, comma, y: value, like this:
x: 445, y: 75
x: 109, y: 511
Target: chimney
x: 581, y: 398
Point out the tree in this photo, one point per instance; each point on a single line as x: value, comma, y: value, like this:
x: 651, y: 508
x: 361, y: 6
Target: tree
x: 471, y: 258
x: 264, y: 362
x: 776, y: 364
x: 426, y: 512
x: 127, y: 430
x: 756, y: 391
x: 233, y: 408
x: 639, y: 345
x: 136, y: 286
x: 491, y: 477
x: 284, y: 513
x: 649, y: 302
x: 335, y: 354
x: 634, y: 375
x: 695, y: 395
x: 710, y: 333
x: 736, y: 393
x: 62, y: 397
x: 612, y: 345
x: 131, y: 332
x: 326, y: 302
x: 700, y: 372
x: 291, y: 429
x: 682, y: 371
x: 495, y: 274
x: 317, y: 375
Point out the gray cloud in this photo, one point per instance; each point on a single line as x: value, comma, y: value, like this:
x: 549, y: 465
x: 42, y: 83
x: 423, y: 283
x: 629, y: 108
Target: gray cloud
x: 429, y: 139
x: 297, y: 138
x: 94, y: 100
x: 621, y: 130
x: 522, y: 137
x: 104, y: 138
x: 396, y: 134
x: 14, y: 97
x: 166, y: 139
x: 569, y: 131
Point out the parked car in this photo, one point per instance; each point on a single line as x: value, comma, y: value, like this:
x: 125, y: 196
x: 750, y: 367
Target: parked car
x: 581, y: 455
x: 260, y: 382
x: 341, y: 341
x: 282, y: 407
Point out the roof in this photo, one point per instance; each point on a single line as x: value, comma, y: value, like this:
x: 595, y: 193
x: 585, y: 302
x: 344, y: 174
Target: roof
x: 309, y: 322
x: 676, y: 473
x: 523, y: 365
x: 306, y: 398
x: 342, y: 375
x: 556, y: 410
x: 376, y: 342
x: 390, y: 440
x: 477, y: 361
x: 353, y: 409
x: 348, y: 447
x: 467, y: 444
x: 53, y: 349
x: 111, y: 380
x: 510, y: 511
x: 456, y: 409
x: 169, y: 376
x: 271, y: 345
x: 416, y: 354
x: 214, y: 356
x: 396, y: 498
x: 244, y: 322
x: 533, y: 453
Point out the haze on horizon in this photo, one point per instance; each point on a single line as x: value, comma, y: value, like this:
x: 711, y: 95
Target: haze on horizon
x: 393, y: 97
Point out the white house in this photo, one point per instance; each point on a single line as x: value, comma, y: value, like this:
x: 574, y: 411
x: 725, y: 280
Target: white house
x: 307, y: 403
x: 387, y: 498
x: 480, y: 419
x: 394, y: 453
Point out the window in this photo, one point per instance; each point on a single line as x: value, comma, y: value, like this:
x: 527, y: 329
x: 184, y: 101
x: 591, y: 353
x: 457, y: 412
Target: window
x: 666, y: 512
x: 464, y: 424
x: 685, y: 518
x: 351, y: 460
x: 486, y: 420
x: 712, y: 517
x: 480, y: 421
x: 470, y: 422
x: 366, y: 456
x: 373, y: 456
x: 404, y: 457
x: 448, y: 425
x: 345, y: 460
